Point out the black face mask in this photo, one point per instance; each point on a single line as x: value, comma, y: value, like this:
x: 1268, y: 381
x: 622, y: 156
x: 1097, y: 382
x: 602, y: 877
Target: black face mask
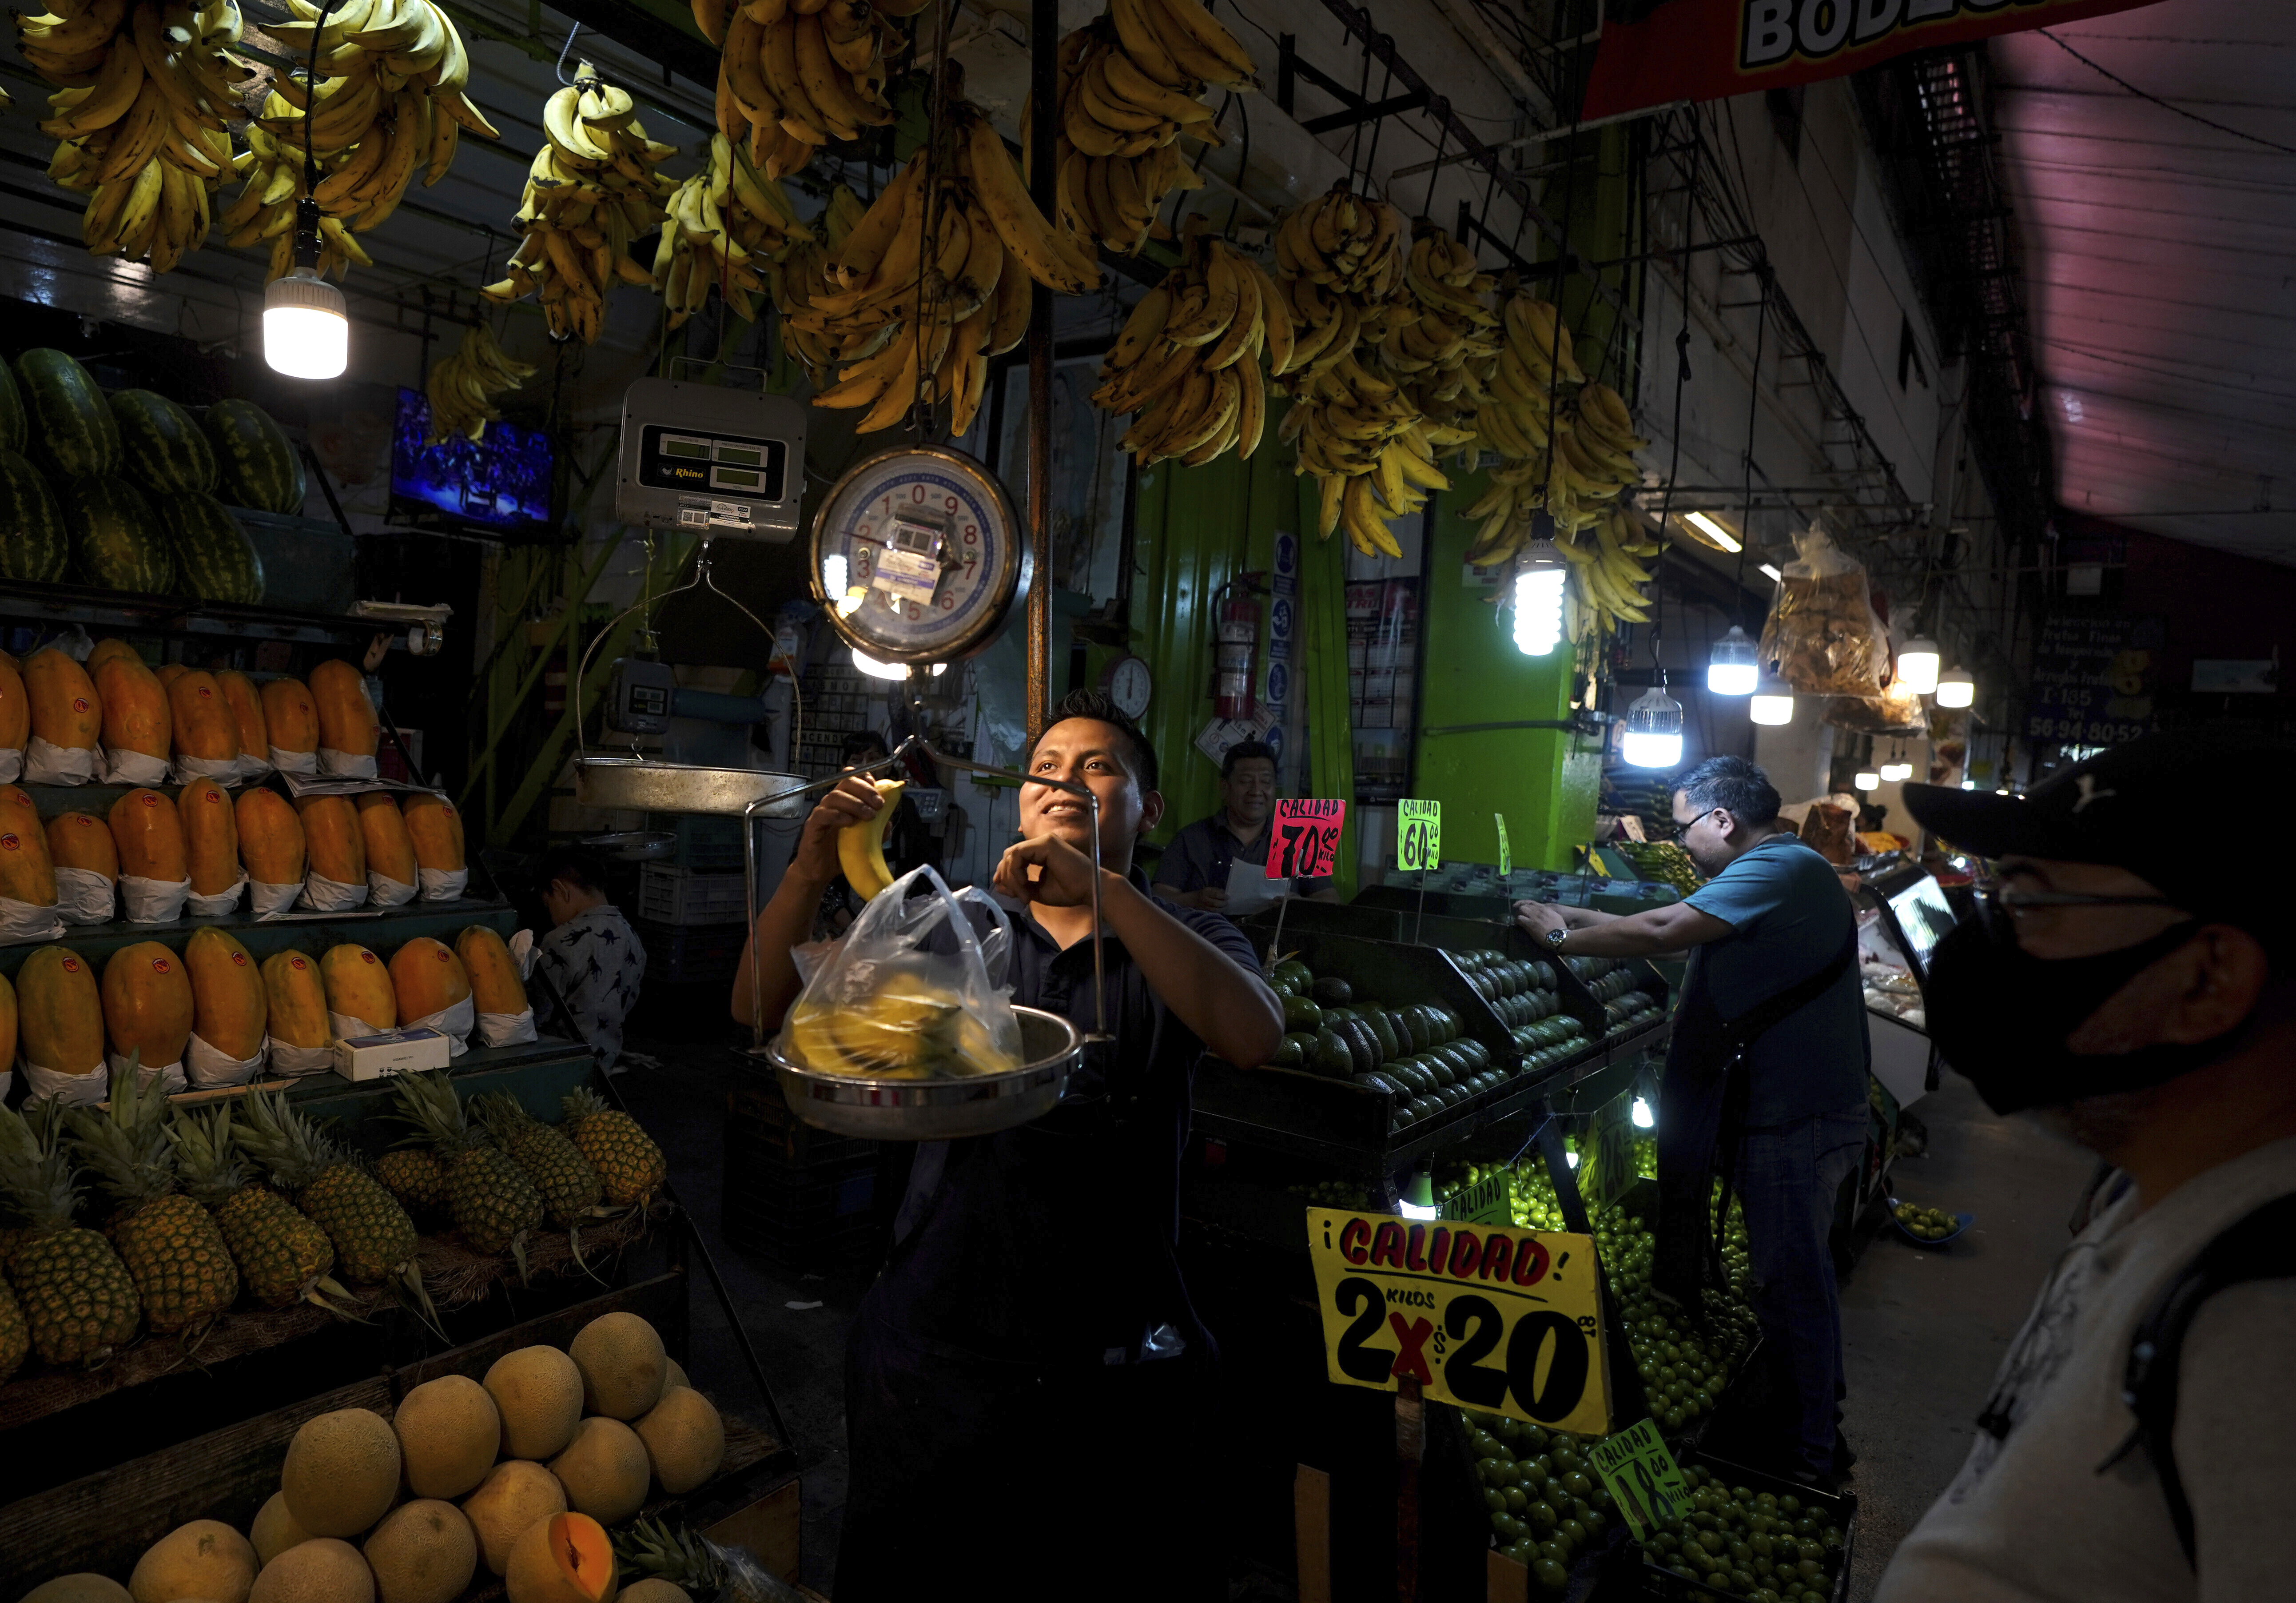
x: 2000, y: 1016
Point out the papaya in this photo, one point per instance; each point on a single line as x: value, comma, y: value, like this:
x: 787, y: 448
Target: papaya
x: 359, y: 986
x: 136, y: 713
x: 106, y: 649
x: 427, y: 977
x: 59, y: 1012
x: 436, y: 828
x: 204, y: 725
x: 495, y: 984
x: 147, y: 1003
x: 332, y: 838
x: 246, y: 704
x: 15, y: 709
x: 347, y: 721
x: 170, y: 672
x: 81, y: 840
x: 27, y: 872
x: 230, y: 1007
x: 289, y: 715
x: 65, y: 709
x: 270, y: 837
x: 211, y: 838
x: 150, y: 835
x: 7, y: 1022
x: 383, y: 830
x: 297, y: 999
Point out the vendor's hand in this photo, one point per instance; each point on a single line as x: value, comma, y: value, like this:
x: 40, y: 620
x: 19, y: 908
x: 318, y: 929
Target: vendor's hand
x: 1046, y: 870
x: 855, y: 800
x: 1212, y: 899
x: 1536, y: 918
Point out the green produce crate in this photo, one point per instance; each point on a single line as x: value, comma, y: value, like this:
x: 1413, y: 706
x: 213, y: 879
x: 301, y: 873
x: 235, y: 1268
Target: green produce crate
x: 1634, y: 1574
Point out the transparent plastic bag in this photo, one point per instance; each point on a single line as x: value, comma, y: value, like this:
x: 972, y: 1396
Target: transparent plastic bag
x: 911, y: 992
x: 1822, y: 632
x: 1895, y: 710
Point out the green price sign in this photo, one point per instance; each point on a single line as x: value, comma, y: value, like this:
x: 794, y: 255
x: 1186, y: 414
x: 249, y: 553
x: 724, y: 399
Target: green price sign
x: 1485, y: 1202
x: 1418, y: 835
x: 1643, y: 1477
x: 1506, y: 857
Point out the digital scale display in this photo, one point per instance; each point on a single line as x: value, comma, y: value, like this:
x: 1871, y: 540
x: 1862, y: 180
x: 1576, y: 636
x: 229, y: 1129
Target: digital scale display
x: 671, y: 460
x: 710, y: 458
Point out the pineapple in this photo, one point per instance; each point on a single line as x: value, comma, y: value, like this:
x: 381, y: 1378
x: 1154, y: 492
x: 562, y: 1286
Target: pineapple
x: 415, y: 1179
x: 15, y: 1336
x: 671, y: 1553
x: 282, y: 1255
x: 76, y: 1295
x: 493, y: 1202
x: 372, y: 1237
x: 624, y: 1156
x: 569, y: 1187
x: 171, y: 1245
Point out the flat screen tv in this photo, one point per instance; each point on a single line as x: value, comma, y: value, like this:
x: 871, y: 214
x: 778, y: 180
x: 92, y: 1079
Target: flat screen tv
x: 500, y: 482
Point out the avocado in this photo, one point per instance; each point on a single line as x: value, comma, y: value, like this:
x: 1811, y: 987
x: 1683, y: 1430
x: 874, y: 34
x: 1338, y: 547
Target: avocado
x: 1292, y: 976
x: 1447, y: 1023
x: 1382, y: 1029
x: 1330, y: 1056
x: 1362, y: 1043
x: 1332, y: 992
x: 1300, y: 1013
x: 1291, y: 1052
x: 1477, y: 1054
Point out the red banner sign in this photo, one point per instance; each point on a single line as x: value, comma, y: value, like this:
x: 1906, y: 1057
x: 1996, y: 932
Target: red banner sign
x: 1305, y: 839
x: 1708, y: 49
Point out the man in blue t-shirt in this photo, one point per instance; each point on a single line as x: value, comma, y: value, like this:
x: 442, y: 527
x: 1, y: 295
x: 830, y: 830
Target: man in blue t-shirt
x: 1773, y: 952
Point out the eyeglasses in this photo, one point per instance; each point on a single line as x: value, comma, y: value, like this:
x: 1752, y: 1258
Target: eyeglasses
x: 1995, y: 900
x: 1684, y: 829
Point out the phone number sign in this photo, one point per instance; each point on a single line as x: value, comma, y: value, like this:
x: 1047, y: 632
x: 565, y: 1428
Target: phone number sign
x: 1500, y: 1319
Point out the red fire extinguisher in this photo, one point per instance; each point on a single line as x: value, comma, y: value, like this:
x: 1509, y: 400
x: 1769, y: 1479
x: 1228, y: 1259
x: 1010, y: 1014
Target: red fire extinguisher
x: 1235, y: 649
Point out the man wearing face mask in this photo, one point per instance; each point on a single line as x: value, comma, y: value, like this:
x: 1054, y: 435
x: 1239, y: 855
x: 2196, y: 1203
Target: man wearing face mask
x: 2140, y: 1439
x: 1765, y: 1080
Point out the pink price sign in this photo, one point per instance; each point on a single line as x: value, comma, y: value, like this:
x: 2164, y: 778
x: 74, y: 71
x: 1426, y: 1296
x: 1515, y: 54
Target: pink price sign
x: 1305, y: 839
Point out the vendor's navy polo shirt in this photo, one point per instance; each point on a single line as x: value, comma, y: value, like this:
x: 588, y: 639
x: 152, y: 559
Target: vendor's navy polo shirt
x: 1203, y: 851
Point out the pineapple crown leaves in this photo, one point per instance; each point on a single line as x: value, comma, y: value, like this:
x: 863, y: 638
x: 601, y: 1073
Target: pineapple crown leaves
x: 126, y: 1141
x: 655, y: 1547
x: 580, y: 1103
x: 502, y: 1113
x: 434, y: 1112
x: 209, y: 1170
x: 287, y: 1145
x: 35, y: 1174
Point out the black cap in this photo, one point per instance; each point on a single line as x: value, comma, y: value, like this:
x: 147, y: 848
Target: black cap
x: 2134, y: 806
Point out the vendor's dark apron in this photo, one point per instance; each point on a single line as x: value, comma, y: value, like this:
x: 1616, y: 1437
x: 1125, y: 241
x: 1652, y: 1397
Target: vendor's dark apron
x: 1059, y: 1457
x: 1701, y: 1122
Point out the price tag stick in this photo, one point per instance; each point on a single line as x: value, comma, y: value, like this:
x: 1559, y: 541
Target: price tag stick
x: 1410, y: 1450
x: 1275, y: 941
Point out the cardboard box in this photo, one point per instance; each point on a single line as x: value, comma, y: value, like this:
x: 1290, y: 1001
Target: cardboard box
x: 392, y: 1052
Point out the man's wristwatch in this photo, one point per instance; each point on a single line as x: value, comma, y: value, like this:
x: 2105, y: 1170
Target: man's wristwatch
x: 1555, y: 936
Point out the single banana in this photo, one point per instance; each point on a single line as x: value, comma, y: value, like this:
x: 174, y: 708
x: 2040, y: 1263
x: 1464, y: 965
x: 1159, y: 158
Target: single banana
x: 861, y: 847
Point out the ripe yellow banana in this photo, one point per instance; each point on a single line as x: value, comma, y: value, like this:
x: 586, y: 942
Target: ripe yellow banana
x: 861, y: 847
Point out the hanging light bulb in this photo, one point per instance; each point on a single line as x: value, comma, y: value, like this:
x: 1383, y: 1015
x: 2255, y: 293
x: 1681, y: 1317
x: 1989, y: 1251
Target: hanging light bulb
x: 1956, y: 688
x: 1917, y: 665
x: 1538, y: 580
x: 1773, y: 702
x: 1643, y: 1119
x: 1867, y: 780
x: 1731, y: 670
x: 1653, y: 738
x: 306, y: 329
x: 888, y: 671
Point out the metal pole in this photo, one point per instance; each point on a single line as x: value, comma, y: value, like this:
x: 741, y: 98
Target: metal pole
x: 1044, y: 188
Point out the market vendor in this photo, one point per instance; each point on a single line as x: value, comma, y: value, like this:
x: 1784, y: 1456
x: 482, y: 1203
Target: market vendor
x: 1032, y: 1304
x: 1220, y: 863
x: 1772, y: 981
x: 2129, y: 994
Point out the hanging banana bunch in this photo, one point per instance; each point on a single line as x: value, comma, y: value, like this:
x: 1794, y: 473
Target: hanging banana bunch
x: 591, y: 189
x: 1604, y: 588
x: 802, y: 274
x: 1130, y: 88
x: 140, y: 112
x: 390, y: 98
x: 1187, y: 362
x: 796, y: 74
x: 726, y: 223
x: 1447, y: 350
x: 934, y: 279
x: 1527, y: 403
x: 462, y: 387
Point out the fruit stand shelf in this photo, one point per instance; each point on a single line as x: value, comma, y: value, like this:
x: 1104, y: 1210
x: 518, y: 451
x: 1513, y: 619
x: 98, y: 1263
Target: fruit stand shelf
x: 312, y: 932
x: 48, y: 607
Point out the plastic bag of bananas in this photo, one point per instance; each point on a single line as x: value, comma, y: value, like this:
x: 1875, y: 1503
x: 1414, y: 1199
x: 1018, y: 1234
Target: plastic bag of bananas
x: 796, y: 74
x: 913, y: 991
x: 462, y: 386
x: 1187, y: 361
x: 932, y: 280
x: 139, y: 114
x: 1130, y: 88
x: 388, y: 98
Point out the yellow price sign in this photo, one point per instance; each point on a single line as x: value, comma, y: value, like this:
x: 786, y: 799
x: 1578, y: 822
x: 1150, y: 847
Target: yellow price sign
x: 1501, y: 1319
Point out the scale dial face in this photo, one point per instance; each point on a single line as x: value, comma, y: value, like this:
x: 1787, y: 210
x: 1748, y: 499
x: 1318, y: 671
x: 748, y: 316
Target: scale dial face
x: 1129, y: 685
x: 917, y: 557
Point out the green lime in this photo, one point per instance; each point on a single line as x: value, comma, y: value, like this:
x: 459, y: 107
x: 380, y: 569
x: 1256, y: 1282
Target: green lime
x: 1551, y: 1576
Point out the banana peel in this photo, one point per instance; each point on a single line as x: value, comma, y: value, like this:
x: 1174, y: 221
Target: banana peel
x: 861, y: 847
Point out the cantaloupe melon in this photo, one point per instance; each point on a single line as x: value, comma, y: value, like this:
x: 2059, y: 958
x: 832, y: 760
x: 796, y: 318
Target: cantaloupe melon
x: 322, y: 1570
x: 296, y: 996
x: 516, y: 1493
x: 270, y: 837
x: 85, y: 1587
x: 147, y: 1003
x: 346, y: 720
x: 358, y: 986
x: 206, y: 1558
x: 423, y: 1553
x: 538, y: 1391
x: 274, y: 1529
x: 436, y: 828
x: 449, y: 1432
x: 246, y: 703
x: 495, y: 983
x: 230, y: 1008
x: 623, y: 1365
x: 565, y: 1558
x: 428, y: 978
x: 60, y: 1021
x: 28, y: 874
x: 210, y: 836
x: 332, y: 839
x: 136, y: 715
x: 204, y: 725
x: 383, y: 829
x: 15, y: 709
x: 81, y: 840
x: 341, y: 1472
x: 684, y: 1439
x: 149, y: 834
x: 677, y: 1376
x: 604, y: 1470
x: 65, y: 709
x: 653, y: 1588
x: 290, y: 716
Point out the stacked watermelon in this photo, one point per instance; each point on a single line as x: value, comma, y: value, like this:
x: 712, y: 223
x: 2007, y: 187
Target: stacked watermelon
x: 35, y: 545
